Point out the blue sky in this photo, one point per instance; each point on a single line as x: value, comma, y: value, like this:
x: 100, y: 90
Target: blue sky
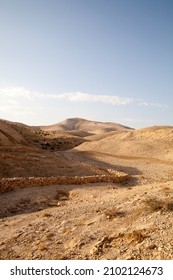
x: 105, y: 60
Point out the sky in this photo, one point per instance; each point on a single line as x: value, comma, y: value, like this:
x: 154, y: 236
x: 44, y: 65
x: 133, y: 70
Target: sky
x: 102, y: 60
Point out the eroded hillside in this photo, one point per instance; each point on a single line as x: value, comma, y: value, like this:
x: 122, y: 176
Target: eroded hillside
x: 132, y: 219
x: 154, y: 142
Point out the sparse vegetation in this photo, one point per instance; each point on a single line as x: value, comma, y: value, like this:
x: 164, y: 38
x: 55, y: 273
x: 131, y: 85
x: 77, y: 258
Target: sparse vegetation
x: 112, y: 213
x: 62, y: 195
x: 137, y: 236
x: 169, y: 206
x: 96, y: 220
x: 156, y: 204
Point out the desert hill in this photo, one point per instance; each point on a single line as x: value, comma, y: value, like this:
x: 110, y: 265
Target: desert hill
x: 17, y: 134
x: 82, y: 127
x: 154, y: 142
x: 9, y: 135
x: 22, y: 146
x: 13, y: 133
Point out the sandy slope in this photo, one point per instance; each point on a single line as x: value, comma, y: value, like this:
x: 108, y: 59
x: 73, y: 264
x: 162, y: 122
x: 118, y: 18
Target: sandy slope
x: 76, y: 125
x: 154, y: 142
x: 8, y: 135
x: 95, y: 221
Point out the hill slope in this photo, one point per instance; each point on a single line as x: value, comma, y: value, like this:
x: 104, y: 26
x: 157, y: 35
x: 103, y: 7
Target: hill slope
x: 156, y: 142
x: 28, y: 151
x: 98, y: 221
x: 84, y: 127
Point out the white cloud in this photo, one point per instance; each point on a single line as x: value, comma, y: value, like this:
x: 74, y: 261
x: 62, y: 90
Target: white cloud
x: 15, y: 92
x: 85, y: 97
x: 159, y: 105
x: 20, y: 104
x: 142, y: 102
x: 16, y: 110
x: 10, y: 94
x: 15, y: 101
x: 16, y: 95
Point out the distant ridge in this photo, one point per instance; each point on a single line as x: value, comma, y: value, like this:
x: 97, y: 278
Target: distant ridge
x: 88, y: 127
x: 15, y: 133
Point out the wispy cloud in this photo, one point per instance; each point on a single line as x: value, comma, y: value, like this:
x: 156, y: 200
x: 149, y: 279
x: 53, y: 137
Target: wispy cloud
x: 15, y: 95
x: 141, y: 102
x: 34, y: 107
x: 16, y: 110
x: 11, y: 94
x: 86, y: 97
x: 15, y: 92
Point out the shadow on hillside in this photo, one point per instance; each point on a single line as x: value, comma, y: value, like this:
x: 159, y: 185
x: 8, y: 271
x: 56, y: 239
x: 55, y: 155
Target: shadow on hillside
x: 80, y: 157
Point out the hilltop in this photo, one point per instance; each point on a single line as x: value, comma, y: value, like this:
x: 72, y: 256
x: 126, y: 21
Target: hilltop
x: 83, y: 127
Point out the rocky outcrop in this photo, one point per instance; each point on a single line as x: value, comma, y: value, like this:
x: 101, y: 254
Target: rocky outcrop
x: 8, y: 184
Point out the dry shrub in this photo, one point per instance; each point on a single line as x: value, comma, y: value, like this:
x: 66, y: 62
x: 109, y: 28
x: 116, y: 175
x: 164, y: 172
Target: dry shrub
x: 170, y: 206
x: 112, y: 213
x: 74, y: 194
x: 156, y: 204
x: 53, y: 203
x: 134, y: 237
x: 45, y: 214
x: 62, y: 195
x: 166, y: 191
x: 137, y: 236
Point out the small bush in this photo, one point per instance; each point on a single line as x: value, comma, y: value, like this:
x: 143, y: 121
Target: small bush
x: 62, y: 195
x: 156, y: 204
x: 137, y: 236
x: 170, y: 206
x: 113, y: 213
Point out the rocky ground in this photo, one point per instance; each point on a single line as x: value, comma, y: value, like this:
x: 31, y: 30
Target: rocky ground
x: 95, y: 221
x: 131, y: 220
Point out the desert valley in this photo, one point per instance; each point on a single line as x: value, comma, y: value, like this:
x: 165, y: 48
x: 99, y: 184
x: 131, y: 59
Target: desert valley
x: 85, y: 190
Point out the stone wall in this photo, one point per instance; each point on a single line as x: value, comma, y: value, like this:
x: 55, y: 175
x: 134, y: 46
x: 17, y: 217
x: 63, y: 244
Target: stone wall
x: 8, y: 184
